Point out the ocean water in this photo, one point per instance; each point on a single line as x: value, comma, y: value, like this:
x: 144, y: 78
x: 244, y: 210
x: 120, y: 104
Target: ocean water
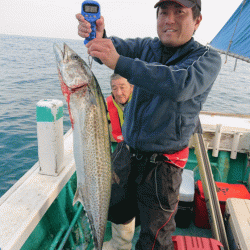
x: 28, y: 74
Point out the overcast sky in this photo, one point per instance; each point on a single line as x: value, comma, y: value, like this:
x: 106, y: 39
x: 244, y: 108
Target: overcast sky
x: 123, y: 18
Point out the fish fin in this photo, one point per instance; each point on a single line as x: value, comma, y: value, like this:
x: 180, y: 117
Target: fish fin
x: 97, y: 244
x: 77, y: 197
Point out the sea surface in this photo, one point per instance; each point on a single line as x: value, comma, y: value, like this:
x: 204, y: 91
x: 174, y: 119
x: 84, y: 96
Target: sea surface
x: 28, y: 74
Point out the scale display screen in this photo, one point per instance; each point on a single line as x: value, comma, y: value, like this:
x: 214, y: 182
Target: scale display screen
x: 90, y: 8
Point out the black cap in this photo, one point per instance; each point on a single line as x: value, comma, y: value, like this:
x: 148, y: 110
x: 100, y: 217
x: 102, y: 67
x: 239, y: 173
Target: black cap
x: 184, y: 3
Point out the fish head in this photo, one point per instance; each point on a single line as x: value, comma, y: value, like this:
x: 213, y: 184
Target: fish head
x: 73, y: 70
x: 74, y: 74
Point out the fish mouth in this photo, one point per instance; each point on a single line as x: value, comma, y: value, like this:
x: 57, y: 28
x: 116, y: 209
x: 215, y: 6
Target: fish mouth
x: 61, y: 55
x: 58, y: 53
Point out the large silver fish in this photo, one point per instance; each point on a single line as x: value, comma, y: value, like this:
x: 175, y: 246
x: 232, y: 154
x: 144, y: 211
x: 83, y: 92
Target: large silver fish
x: 88, y: 115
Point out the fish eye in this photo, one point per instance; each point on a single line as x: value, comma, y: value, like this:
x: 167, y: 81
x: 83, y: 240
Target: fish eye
x: 74, y: 57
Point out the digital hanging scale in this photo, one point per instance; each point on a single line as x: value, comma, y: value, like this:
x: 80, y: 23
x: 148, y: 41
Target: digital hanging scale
x: 91, y: 11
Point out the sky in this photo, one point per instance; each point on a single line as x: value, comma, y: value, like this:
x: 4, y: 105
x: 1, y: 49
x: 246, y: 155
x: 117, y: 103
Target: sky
x: 123, y: 18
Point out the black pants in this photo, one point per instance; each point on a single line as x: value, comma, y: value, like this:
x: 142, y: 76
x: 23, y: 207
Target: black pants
x: 145, y: 187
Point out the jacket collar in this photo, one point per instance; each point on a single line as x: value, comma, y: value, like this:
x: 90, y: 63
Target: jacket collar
x: 156, y: 46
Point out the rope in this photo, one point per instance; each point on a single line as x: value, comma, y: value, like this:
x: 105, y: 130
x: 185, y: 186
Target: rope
x: 231, y: 41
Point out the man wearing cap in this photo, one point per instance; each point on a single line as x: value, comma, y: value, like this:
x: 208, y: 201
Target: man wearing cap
x: 172, y: 77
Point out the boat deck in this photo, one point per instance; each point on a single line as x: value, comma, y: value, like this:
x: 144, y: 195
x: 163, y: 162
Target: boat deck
x: 192, y: 230
x: 45, y: 218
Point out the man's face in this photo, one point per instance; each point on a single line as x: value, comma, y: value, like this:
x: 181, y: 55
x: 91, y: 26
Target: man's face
x: 175, y: 24
x: 121, y: 90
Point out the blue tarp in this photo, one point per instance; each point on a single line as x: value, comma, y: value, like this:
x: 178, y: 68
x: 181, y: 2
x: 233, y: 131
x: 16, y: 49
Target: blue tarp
x: 240, y: 36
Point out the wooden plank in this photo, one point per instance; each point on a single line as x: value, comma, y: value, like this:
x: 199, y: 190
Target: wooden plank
x: 231, y: 125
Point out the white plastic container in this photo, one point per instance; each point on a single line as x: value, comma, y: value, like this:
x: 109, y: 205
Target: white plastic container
x: 237, y: 221
x: 187, y: 186
x: 186, y: 200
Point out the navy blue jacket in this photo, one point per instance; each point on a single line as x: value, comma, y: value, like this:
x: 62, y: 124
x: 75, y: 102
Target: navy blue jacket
x: 167, y: 99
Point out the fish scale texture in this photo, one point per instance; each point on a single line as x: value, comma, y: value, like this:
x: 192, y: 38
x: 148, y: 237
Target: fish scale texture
x: 92, y: 130
x: 91, y: 142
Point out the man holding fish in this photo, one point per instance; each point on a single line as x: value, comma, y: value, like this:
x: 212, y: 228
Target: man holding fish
x: 172, y: 77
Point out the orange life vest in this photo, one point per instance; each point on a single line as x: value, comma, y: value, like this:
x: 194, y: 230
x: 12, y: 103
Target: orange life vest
x: 114, y: 119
